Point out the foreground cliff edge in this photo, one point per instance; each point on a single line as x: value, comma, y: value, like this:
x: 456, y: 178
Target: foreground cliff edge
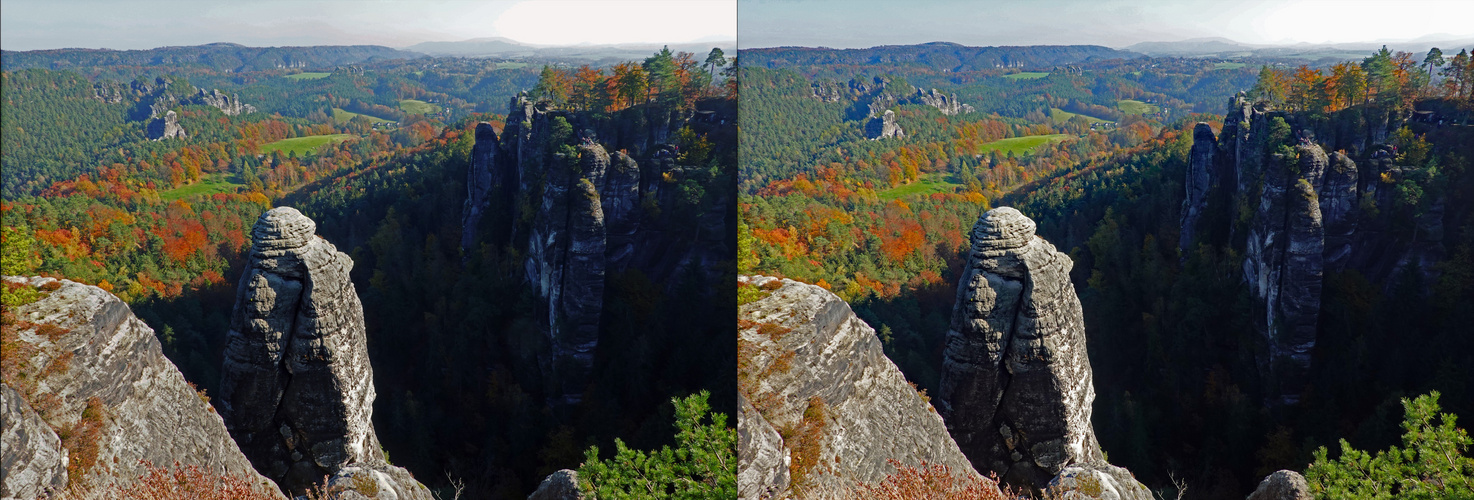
x: 79, y: 363
x: 824, y: 412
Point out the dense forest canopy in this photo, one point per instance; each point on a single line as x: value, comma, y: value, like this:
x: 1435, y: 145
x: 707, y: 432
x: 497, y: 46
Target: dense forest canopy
x: 882, y: 223
x: 377, y: 153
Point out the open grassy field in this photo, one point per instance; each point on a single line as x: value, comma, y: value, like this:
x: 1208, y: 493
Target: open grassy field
x: 1027, y: 75
x: 1061, y: 116
x: 927, y: 184
x: 1020, y: 145
x: 302, y: 145
x: 216, y: 183
x: 417, y: 107
x: 1228, y: 65
x: 511, y: 65
x: 341, y: 115
x: 1134, y: 107
x: 307, y: 76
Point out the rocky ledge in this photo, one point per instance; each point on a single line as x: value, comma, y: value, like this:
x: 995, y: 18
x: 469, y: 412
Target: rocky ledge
x: 85, y: 363
x: 811, y: 370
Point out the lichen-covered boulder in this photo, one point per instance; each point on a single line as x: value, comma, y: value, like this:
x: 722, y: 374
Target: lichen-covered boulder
x: 807, y: 362
x: 1282, y: 485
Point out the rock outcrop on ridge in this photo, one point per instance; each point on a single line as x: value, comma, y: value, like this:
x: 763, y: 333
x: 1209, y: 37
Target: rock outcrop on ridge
x: 297, y: 389
x: 807, y: 362
x: 564, y: 189
x: 1200, y: 177
x: 81, y: 346
x: 884, y: 127
x: 1016, y: 389
x: 1282, y: 485
x: 166, y: 127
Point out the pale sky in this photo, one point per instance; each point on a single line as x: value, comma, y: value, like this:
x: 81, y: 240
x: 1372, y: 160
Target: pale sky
x: 116, y: 24
x: 1112, y: 23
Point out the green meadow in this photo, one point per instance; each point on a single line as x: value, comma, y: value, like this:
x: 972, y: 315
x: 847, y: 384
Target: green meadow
x: 1027, y: 75
x: 1134, y: 107
x: 1060, y: 115
x: 216, y: 183
x: 303, y: 145
x: 927, y: 184
x: 1228, y: 65
x: 1021, y: 145
x: 341, y: 115
x: 307, y: 76
x: 418, y: 107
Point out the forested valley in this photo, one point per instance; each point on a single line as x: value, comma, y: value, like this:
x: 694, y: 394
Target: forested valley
x: 377, y: 151
x: 1181, y: 395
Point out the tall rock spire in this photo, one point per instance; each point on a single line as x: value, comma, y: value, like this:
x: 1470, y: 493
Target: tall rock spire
x: 297, y: 389
x: 1016, y: 388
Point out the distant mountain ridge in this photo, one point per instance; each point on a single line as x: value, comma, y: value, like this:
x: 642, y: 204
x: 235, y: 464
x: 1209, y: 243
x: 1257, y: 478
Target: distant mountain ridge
x: 1218, y: 46
x: 955, y: 57
x: 508, y: 48
x: 219, y: 56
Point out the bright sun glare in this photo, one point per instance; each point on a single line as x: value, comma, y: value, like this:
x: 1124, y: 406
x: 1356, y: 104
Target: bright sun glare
x: 1355, y: 21
x: 600, y: 22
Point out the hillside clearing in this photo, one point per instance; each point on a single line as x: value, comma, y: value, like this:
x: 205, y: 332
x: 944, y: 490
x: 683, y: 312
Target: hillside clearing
x: 1020, y: 145
x: 1027, y: 75
x: 418, y: 107
x: 927, y: 184
x: 307, y: 76
x: 216, y: 183
x: 1134, y: 107
x: 342, y: 115
x: 303, y: 145
x: 1061, y: 116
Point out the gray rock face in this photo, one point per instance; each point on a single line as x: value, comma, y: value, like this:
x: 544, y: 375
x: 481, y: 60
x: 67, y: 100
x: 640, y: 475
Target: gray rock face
x: 884, y: 127
x: 1282, y: 485
x: 1016, y: 384
x: 621, y: 202
x: 231, y: 105
x: 870, y: 413
x: 481, y: 183
x: 560, y: 485
x: 150, y: 412
x: 1097, y: 481
x: 1284, y: 265
x: 1338, y: 204
x: 762, y: 461
x: 34, y: 462
x: 297, y: 389
x: 166, y: 127
x: 948, y: 105
x: 1200, y: 176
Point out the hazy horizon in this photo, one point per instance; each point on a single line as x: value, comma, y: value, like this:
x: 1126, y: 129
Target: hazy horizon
x: 1111, y: 23
x: 148, y: 24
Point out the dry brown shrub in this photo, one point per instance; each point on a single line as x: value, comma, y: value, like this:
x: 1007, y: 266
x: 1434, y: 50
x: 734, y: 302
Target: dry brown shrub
x: 931, y: 482
x: 188, y: 482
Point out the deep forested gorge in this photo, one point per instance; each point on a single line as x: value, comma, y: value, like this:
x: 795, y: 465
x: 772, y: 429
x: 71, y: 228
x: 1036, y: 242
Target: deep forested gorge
x: 1183, y: 388
x: 378, y: 154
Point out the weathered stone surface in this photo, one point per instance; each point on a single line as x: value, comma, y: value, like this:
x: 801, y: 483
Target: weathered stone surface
x: 560, y: 485
x: 151, y: 413
x: 378, y: 482
x: 1200, y: 176
x: 1282, y: 485
x: 32, y: 458
x: 762, y: 461
x: 871, y: 414
x: 481, y: 183
x: 1283, y: 263
x: 297, y: 389
x: 1097, y: 481
x: 1338, y: 204
x: 166, y: 127
x: 231, y: 105
x: 884, y: 127
x: 1016, y: 385
x: 948, y: 105
x: 621, y: 202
